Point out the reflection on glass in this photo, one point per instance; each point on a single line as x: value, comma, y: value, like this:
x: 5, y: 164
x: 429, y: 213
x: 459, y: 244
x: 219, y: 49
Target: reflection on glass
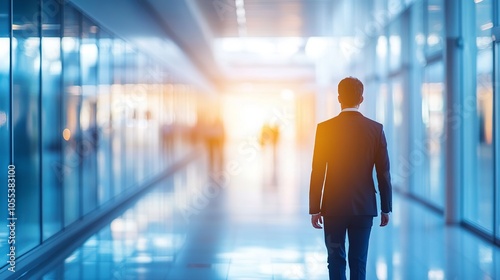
x: 118, y: 113
x: 52, y: 211
x: 71, y: 164
x: 87, y: 117
x: 4, y: 119
x: 433, y: 149
x: 26, y: 118
x: 395, y: 44
x: 400, y: 132
x: 103, y: 118
x: 381, y: 59
x: 435, y: 26
x: 479, y: 161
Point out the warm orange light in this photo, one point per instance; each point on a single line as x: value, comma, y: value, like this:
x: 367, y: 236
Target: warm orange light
x: 66, y: 134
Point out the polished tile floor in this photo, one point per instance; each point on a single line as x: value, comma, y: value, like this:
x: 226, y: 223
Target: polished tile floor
x: 250, y: 221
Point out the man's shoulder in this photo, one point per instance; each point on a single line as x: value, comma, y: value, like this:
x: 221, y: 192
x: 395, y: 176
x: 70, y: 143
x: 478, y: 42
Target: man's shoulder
x: 341, y: 118
x: 373, y: 122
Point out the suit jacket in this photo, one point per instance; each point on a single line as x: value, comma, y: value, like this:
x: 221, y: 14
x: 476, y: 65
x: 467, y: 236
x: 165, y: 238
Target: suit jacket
x: 346, y: 149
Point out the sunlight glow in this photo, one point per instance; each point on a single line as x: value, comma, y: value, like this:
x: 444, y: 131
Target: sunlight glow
x: 286, y: 46
x: 381, y: 46
x: 287, y: 94
x: 316, y: 47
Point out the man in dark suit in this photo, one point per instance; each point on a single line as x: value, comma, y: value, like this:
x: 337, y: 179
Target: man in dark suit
x: 342, y: 194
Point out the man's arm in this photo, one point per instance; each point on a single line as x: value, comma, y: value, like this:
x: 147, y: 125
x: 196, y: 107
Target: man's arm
x: 382, y: 167
x: 317, y: 173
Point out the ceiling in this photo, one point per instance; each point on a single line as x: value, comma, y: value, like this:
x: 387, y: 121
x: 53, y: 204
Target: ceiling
x: 202, y: 29
x: 198, y: 25
x: 265, y: 18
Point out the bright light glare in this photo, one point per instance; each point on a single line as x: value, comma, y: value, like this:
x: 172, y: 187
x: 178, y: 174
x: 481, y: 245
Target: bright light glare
x: 68, y: 44
x: 287, y: 94
x: 433, y: 40
x: 89, y: 54
x: 381, y: 269
x: 435, y: 274
x: 3, y: 118
x: 316, y: 47
x: 4, y: 54
x: 382, y: 46
x: 246, y: 113
x: 395, y: 42
x: 287, y: 46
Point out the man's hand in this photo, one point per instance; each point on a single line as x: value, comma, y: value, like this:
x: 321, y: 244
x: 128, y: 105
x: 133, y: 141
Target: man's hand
x: 317, y: 220
x: 384, y: 219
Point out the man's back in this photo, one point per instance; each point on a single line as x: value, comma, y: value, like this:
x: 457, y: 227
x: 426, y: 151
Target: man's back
x: 349, y: 145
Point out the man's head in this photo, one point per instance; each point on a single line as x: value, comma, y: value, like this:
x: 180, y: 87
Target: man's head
x: 350, y: 92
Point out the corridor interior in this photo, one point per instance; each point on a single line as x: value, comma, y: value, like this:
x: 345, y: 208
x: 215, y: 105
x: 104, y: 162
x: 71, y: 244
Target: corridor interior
x: 250, y: 221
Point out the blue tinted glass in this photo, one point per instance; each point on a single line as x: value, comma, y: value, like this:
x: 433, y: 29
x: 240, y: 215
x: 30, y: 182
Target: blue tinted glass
x: 51, y: 120
x: 26, y: 121
x: 119, y: 110
x: 432, y: 145
x: 71, y: 103
x: 4, y: 121
x: 479, y: 174
x: 103, y: 118
x: 435, y: 26
x: 133, y: 93
x: 88, y: 112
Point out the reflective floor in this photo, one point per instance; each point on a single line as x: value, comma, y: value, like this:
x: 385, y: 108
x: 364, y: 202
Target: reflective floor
x: 250, y: 221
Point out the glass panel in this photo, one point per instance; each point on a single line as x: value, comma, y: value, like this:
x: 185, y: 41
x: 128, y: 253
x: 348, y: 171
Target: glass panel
x: 400, y: 133
x: 478, y: 187
x: 4, y: 123
x: 381, y: 57
x: 144, y: 133
x: 395, y: 44
x: 133, y: 96
x: 104, y: 122
x: 51, y: 121
x: 26, y: 121
x: 87, y: 117
x: 71, y: 103
x: 435, y: 26
x: 433, y: 114
x: 413, y: 163
x: 118, y: 113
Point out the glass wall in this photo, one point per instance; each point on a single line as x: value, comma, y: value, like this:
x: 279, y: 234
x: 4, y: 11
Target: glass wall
x: 433, y: 118
x: 434, y: 16
x: 71, y: 104
x: 26, y: 120
x: 424, y: 157
x: 52, y: 203
x: 5, y: 142
x: 478, y: 152
x: 88, y: 113
x: 103, y: 117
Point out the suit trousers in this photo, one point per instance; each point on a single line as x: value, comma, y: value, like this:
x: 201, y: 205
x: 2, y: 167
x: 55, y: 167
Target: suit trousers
x: 358, y: 230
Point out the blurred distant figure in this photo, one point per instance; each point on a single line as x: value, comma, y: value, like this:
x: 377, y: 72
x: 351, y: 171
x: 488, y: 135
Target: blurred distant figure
x: 215, y: 138
x: 347, y: 147
x: 167, y: 132
x: 269, y: 134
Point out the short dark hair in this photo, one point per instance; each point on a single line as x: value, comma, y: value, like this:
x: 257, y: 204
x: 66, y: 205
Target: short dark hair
x: 350, y: 91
